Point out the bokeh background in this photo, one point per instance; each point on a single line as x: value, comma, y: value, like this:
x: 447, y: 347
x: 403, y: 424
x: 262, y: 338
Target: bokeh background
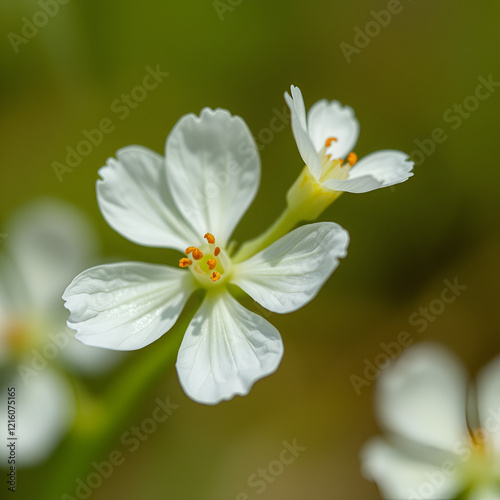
x: 405, y: 241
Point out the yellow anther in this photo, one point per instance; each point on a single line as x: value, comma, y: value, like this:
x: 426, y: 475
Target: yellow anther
x: 352, y: 158
x: 329, y: 141
x: 210, y: 238
x: 207, y: 260
x: 197, y: 254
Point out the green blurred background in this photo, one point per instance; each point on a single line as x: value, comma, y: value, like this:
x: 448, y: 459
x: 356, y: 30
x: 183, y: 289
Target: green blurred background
x: 441, y: 224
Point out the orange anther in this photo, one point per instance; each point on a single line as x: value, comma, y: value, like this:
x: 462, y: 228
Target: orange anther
x: 189, y: 250
x: 197, y: 254
x: 210, y: 238
x: 215, y: 276
x: 185, y: 262
x: 211, y: 264
x: 352, y: 158
x: 216, y: 251
x: 329, y: 141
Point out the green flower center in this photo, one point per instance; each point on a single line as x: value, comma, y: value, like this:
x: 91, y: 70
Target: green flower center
x: 208, y: 264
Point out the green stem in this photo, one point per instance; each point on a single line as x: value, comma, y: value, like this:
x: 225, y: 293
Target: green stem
x: 285, y: 222
x: 306, y: 201
x: 99, y: 420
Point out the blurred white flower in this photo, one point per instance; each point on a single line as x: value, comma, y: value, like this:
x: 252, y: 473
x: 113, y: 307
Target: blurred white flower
x: 442, y: 433
x: 325, y: 139
x: 191, y: 201
x: 47, y: 243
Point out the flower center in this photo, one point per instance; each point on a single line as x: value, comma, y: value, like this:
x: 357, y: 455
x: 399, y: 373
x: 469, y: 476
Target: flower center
x: 18, y: 336
x: 334, y: 168
x: 208, y: 264
x: 480, y: 464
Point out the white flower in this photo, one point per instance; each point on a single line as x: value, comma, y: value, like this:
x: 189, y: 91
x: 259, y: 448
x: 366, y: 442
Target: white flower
x: 47, y: 242
x: 326, y: 138
x: 191, y: 201
x: 443, y: 433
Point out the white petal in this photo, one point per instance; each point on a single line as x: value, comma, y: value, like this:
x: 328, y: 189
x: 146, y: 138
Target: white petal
x: 331, y: 119
x: 225, y: 350
x: 15, y: 298
x: 299, y: 107
x: 488, y: 396
x: 17, y: 309
x: 423, y: 397
x: 213, y: 169
x: 135, y: 200
x: 45, y: 409
x: 305, y: 145
x: 127, y: 305
x: 290, y: 272
x: 399, y: 476
x: 50, y: 242
x: 376, y: 170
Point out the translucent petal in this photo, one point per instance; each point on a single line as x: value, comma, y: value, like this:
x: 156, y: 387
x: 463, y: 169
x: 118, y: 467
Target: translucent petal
x: 225, y: 350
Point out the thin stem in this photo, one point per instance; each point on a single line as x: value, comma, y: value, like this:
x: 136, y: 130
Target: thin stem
x: 285, y: 222
x: 306, y: 201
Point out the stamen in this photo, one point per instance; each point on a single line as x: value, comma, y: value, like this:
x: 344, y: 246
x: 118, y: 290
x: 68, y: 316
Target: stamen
x: 185, y: 262
x: 210, y: 238
x: 352, y: 158
x: 329, y: 141
x: 208, y: 260
x: 197, y: 254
